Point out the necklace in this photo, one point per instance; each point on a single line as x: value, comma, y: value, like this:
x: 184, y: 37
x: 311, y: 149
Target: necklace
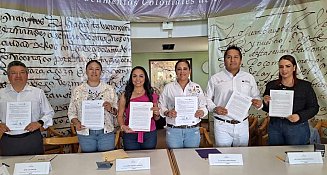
x: 139, y: 92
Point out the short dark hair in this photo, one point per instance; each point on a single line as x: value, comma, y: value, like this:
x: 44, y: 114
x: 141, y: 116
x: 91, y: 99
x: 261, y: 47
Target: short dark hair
x: 183, y: 61
x: 233, y: 47
x: 16, y: 63
x: 93, y: 61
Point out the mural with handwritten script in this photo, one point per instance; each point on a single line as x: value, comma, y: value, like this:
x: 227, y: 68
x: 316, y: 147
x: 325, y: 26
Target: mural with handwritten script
x: 56, y: 50
x: 266, y: 34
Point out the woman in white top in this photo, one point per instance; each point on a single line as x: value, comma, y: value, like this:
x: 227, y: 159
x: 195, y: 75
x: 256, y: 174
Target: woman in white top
x: 96, y: 138
x: 182, y: 133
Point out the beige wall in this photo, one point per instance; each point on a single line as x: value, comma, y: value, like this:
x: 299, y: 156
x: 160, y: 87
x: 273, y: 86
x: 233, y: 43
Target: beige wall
x: 198, y: 58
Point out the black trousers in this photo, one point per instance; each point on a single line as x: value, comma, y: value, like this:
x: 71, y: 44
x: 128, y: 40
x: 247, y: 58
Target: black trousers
x: 30, y: 143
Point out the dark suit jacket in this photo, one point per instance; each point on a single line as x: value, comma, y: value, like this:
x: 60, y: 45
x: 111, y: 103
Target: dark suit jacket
x: 305, y: 102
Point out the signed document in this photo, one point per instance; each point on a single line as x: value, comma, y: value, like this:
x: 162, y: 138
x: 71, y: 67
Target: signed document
x: 140, y: 116
x: 186, y: 108
x: 238, y: 106
x: 18, y: 115
x: 281, y: 103
x: 93, y: 114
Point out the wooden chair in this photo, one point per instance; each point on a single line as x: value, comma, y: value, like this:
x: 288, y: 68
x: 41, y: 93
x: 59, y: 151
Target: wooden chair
x: 253, y: 126
x: 55, y: 142
x: 118, y: 139
x: 61, y: 141
x: 205, y: 139
x: 321, y: 126
x: 262, y: 132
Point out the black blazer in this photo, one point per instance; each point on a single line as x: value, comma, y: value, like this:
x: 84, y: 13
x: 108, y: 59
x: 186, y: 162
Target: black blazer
x: 305, y: 102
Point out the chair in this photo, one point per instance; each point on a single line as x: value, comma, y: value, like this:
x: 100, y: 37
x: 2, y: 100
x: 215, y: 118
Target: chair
x: 253, y: 125
x: 118, y: 139
x: 205, y: 139
x: 262, y: 132
x: 55, y: 142
x: 321, y: 126
x: 61, y: 141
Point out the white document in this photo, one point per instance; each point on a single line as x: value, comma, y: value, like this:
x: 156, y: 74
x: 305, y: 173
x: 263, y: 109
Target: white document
x: 140, y: 116
x: 18, y: 115
x: 225, y: 159
x: 186, y: 108
x: 281, y: 103
x: 32, y: 168
x: 304, y: 157
x: 93, y: 113
x: 132, y: 164
x: 238, y: 106
x: 4, y: 170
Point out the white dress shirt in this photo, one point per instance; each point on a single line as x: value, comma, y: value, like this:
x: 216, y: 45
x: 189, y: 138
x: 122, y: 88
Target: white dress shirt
x: 41, y: 108
x: 222, y: 84
x: 172, y: 90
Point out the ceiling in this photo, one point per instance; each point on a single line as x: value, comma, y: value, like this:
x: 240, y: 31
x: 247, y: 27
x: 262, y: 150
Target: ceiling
x: 184, y: 44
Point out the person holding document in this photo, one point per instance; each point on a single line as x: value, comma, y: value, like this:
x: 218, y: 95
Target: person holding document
x: 23, y: 111
x: 93, y: 110
x: 292, y: 129
x: 135, y: 102
x: 232, y: 82
x: 183, y: 104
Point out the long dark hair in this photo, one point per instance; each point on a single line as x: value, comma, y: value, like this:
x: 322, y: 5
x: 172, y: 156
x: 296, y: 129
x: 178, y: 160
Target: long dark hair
x: 291, y: 59
x: 130, y: 86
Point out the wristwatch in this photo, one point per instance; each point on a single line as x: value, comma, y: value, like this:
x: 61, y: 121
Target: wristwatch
x: 41, y: 122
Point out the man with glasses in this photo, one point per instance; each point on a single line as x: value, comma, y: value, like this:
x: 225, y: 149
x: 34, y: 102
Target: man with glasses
x: 19, y: 103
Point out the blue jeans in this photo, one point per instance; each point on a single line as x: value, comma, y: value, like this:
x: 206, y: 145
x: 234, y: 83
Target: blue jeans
x: 97, y: 141
x: 149, y: 141
x: 283, y: 132
x: 182, y: 137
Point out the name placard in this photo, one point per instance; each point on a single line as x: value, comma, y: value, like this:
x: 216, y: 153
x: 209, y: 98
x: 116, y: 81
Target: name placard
x: 32, y: 168
x: 225, y: 159
x: 132, y: 164
x: 304, y: 157
x: 3, y: 170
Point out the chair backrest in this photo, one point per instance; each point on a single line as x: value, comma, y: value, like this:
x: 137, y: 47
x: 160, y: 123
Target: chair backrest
x: 253, y: 126
x: 205, y: 138
x: 262, y: 132
x: 61, y: 141
x: 321, y: 126
x: 55, y: 141
x: 118, y: 139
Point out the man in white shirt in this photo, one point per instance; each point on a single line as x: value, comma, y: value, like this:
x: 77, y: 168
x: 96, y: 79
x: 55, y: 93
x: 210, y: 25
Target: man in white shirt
x: 228, y: 131
x: 29, y: 140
